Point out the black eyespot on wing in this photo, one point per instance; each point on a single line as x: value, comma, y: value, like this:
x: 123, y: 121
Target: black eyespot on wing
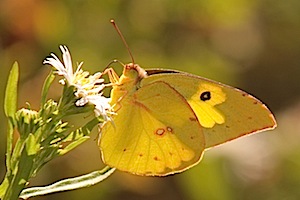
x: 205, y: 96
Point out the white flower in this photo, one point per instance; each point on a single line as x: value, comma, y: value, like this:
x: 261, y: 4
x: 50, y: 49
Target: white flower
x: 88, y: 87
x: 102, y: 106
x: 64, y: 69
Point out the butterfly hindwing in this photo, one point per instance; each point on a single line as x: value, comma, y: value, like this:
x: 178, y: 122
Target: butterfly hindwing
x: 156, y: 132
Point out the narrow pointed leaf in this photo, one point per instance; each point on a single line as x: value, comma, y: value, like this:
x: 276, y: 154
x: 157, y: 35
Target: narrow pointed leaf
x: 46, y: 87
x: 10, y: 99
x: 10, y: 108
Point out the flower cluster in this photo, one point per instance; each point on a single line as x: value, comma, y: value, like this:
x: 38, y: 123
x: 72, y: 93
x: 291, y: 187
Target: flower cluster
x: 88, y: 87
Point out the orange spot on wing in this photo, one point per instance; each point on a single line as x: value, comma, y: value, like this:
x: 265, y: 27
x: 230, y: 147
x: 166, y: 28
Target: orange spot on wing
x: 160, y: 131
x: 169, y: 129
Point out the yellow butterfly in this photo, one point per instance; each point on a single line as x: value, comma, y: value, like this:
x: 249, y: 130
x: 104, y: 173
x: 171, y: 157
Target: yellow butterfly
x: 165, y: 119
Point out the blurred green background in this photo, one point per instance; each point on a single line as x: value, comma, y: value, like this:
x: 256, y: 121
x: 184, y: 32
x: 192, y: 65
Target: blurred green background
x: 253, y: 45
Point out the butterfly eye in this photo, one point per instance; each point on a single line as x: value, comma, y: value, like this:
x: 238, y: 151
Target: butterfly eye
x: 205, y: 96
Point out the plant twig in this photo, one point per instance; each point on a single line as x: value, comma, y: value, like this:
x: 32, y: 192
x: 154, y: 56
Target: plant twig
x: 86, y: 180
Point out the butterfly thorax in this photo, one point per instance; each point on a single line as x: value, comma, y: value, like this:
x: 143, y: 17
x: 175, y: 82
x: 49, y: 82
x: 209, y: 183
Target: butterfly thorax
x: 128, y: 83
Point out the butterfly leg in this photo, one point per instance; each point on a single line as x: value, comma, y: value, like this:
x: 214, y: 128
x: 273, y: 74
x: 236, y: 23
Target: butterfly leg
x: 112, y: 75
x: 117, y: 106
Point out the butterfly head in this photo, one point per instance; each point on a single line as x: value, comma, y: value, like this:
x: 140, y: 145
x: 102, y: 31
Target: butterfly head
x: 134, y: 72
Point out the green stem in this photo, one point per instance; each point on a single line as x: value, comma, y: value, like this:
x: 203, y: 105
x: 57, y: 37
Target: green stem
x: 69, y: 184
x: 9, y: 148
x: 18, y: 181
x: 4, y: 185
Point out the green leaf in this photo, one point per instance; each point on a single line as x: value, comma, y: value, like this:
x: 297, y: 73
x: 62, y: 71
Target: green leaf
x: 9, y: 147
x: 32, y: 147
x: 72, y: 145
x: 83, y: 131
x: 86, y: 129
x: 78, y: 136
x: 10, y: 99
x: 3, y: 187
x: 46, y: 87
x: 10, y: 108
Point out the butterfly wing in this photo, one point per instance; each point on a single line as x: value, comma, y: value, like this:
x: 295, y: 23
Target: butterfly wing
x: 155, y: 132
x: 224, y: 112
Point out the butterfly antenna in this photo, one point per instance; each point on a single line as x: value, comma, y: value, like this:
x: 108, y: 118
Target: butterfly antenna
x: 123, y: 39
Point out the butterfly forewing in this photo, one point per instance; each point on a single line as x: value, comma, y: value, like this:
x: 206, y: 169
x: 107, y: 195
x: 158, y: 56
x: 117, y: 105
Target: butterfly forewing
x: 224, y: 112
